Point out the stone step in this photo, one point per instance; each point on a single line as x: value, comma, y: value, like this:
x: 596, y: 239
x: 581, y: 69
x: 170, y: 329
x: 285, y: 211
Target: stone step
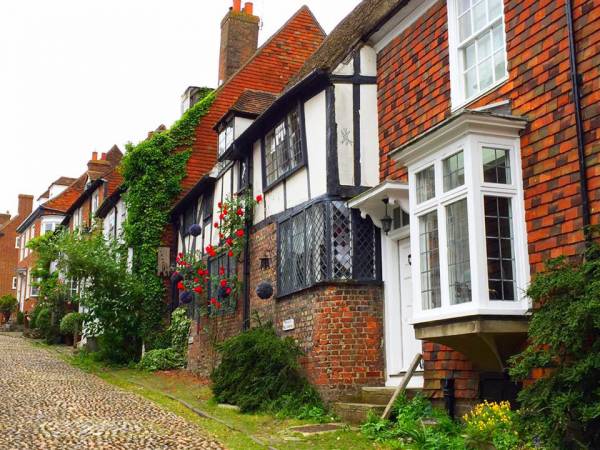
x: 382, y: 395
x: 356, y: 413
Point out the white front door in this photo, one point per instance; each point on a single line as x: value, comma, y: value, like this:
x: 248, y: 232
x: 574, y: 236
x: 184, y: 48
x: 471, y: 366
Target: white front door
x: 400, y: 342
x: 410, y: 345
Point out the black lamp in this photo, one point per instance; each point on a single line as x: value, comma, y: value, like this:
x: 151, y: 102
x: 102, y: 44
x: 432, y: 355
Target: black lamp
x: 386, y: 221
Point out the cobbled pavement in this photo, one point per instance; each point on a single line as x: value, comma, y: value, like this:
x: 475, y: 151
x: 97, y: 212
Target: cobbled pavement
x: 46, y: 404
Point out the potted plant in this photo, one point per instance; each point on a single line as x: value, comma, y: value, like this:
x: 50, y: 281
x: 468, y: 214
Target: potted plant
x: 7, y: 305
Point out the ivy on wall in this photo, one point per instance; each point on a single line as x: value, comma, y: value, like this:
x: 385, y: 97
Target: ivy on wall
x: 153, y: 171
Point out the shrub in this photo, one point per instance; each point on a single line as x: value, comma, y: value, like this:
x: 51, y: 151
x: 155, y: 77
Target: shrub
x: 179, y: 330
x: 563, y: 406
x: 258, y: 370
x: 8, y: 304
x: 71, y: 323
x: 20, y: 318
x: 415, y: 424
x: 492, y: 424
x: 43, y: 320
x: 162, y: 359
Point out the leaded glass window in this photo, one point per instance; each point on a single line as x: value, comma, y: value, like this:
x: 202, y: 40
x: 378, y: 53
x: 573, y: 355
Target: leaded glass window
x: 459, y: 268
x: 430, y: 261
x: 496, y: 165
x: 426, y: 184
x: 326, y: 242
x: 454, y: 171
x: 283, y: 148
x: 500, y: 248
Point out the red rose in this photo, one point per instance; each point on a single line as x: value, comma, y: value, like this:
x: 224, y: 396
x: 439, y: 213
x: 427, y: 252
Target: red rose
x: 228, y: 291
x: 240, y: 212
x: 216, y: 225
x: 225, y: 212
x: 221, y: 236
x: 230, y: 254
x: 180, y: 286
x: 218, y: 305
x: 213, y: 301
x: 207, y: 279
x: 239, y: 233
x: 221, y: 216
x: 196, y: 280
x: 198, y: 289
x: 180, y: 255
x: 229, y: 242
x: 220, y: 205
x: 259, y: 198
x: 222, y: 271
x: 224, y: 283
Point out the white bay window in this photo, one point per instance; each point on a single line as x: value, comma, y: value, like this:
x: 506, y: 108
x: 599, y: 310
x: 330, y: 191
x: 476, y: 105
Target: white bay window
x: 467, y: 222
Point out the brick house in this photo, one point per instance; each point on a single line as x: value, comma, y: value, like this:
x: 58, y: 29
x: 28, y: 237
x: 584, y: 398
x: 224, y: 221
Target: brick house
x: 9, y: 245
x: 420, y: 167
x: 47, y: 215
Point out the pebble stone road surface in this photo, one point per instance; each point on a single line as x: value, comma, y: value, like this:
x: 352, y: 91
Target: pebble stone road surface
x: 45, y: 404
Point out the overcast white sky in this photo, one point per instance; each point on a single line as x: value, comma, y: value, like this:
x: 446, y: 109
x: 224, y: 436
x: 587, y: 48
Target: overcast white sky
x: 81, y: 75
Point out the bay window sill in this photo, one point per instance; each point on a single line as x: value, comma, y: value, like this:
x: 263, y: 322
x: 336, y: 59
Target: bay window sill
x: 466, y: 310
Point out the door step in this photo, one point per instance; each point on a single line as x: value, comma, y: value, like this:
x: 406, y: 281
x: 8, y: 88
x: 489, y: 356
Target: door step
x: 355, y: 411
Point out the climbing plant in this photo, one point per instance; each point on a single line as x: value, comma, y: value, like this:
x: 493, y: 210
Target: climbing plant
x: 216, y: 292
x: 153, y: 171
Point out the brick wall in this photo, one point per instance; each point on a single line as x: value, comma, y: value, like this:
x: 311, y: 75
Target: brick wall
x: 339, y: 327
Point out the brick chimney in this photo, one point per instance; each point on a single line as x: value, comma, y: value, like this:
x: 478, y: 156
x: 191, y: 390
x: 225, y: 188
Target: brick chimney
x: 25, y: 205
x: 4, y: 218
x: 97, y: 167
x: 239, y: 38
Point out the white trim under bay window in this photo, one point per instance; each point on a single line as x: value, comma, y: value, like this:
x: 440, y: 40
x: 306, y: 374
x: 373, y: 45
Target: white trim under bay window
x: 477, y: 47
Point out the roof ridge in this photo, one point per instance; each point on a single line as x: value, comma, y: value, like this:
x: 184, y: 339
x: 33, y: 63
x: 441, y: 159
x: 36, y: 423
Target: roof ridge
x: 259, y: 50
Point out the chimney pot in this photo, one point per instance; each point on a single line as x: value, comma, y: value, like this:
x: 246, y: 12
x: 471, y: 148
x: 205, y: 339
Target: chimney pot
x: 94, y: 156
x: 237, y: 5
x: 103, y: 156
x: 249, y: 8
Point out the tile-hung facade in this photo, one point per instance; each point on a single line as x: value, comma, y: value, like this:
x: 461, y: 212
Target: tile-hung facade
x: 481, y: 145
x: 452, y: 124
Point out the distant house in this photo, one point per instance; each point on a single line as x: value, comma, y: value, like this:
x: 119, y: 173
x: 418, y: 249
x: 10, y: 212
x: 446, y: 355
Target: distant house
x: 46, y: 217
x: 9, y: 246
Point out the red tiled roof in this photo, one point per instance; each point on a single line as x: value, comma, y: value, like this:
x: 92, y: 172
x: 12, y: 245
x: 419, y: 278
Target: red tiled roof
x: 269, y: 70
x: 253, y: 102
x: 63, y: 201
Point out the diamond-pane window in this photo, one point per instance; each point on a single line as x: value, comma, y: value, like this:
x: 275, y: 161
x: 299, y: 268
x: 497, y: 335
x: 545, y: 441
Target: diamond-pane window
x: 326, y: 242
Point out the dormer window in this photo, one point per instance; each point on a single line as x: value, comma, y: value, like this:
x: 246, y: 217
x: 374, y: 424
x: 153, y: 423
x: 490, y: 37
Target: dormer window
x: 477, y: 42
x: 283, y: 149
x: 226, y: 137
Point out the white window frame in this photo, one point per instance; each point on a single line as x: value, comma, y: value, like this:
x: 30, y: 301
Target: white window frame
x: 14, y: 283
x: 226, y: 136
x: 473, y: 191
x: 18, y: 242
x: 457, y: 86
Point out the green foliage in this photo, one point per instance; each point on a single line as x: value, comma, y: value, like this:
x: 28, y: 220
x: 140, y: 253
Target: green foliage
x: 153, y: 171
x: 20, y: 318
x: 564, y: 341
x: 257, y: 371
x: 415, y: 425
x: 493, y: 424
x: 162, y: 359
x: 8, y: 303
x: 43, y: 320
x: 112, y: 297
x: 71, y: 323
x: 179, y: 331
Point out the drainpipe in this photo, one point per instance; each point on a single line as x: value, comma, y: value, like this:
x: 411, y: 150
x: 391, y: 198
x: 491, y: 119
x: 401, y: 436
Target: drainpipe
x: 449, y: 398
x: 575, y: 92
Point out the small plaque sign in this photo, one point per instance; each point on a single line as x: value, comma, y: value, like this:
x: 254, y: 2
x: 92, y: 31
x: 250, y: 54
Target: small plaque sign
x: 289, y: 324
x: 164, y: 261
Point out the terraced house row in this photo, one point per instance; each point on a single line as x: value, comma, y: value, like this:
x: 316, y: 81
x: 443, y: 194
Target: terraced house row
x: 417, y: 166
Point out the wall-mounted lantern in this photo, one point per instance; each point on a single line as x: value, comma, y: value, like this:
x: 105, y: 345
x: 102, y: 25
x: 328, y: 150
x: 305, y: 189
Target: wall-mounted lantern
x: 386, y: 221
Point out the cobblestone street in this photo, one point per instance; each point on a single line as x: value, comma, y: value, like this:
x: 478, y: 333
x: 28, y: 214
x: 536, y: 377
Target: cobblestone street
x: 47, y: 404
